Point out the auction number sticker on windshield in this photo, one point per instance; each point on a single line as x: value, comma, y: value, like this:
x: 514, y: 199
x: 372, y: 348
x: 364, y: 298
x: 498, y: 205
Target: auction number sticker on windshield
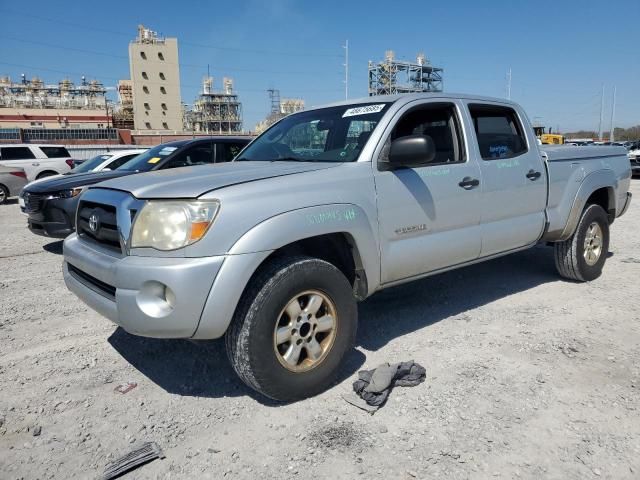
x: 154, y: 160
x: 363, y: 110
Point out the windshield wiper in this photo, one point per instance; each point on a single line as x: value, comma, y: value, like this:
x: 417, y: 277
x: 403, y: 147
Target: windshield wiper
x: 283, y: 159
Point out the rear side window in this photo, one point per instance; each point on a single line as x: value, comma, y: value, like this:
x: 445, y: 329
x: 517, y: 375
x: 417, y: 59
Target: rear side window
x: 16, y: 153
x: 499, y: 132
x: 55, y: 152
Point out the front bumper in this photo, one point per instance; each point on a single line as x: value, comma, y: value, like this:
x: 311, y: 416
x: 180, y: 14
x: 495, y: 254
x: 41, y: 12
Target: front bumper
x: 55, y: 217
x: 132, y: 291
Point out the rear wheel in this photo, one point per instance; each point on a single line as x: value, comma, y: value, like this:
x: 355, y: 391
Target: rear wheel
x: 4, y: 194
x: 293, y: 325
x: 582, y: 256
x: 45, y: 175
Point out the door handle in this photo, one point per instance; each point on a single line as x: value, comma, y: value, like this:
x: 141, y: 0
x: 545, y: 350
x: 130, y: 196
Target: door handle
x: 468, y: 183
x: 533, y: 175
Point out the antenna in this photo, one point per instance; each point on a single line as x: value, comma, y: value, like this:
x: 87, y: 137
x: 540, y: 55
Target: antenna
x: 509, y: 84
x: 346, y: 69
x: 613, y: 113
x: 601, y: 114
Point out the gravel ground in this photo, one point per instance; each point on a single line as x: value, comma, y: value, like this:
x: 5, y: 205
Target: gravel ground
x: 528, y: 376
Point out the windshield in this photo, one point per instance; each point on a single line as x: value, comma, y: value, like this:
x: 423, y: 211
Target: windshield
x: 148, y: 160
x: 89, y: 165
x: 333, y: 134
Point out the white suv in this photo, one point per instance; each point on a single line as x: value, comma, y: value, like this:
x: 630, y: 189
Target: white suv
x: 38, y: 161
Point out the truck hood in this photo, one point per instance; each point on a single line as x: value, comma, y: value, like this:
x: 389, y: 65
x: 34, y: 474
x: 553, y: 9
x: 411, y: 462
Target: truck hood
x: 65, y: 182
x: 192, y: 182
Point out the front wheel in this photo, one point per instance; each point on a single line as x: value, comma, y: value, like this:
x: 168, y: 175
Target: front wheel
x: 4, y: 194
x: 292, y: 327
x: 581, y: 257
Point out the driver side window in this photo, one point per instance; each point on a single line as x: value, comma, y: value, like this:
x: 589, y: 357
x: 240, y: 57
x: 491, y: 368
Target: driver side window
x: 438, y: 121
x: 197, y: 155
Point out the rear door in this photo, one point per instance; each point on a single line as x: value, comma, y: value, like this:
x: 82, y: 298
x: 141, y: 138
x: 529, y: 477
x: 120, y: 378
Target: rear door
x: 514, y: 183
x: 428, y: 216
x: 22, y: 157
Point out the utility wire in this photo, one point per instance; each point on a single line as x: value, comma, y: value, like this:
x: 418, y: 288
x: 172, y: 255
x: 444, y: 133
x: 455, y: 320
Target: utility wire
x: 184, y: 42
x: 151, y: 82
x: 182, y: 65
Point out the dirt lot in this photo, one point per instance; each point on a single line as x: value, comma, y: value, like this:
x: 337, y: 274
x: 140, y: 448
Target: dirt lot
x: 528, y: 376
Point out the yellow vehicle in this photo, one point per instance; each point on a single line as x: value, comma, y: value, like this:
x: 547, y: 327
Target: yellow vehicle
x: 548, y: 138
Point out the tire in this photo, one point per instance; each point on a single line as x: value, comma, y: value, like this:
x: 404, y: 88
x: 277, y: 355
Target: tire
x: 4, y: 194
x: 570, y: 258
x: 45, y: 175
x: 252, y: 345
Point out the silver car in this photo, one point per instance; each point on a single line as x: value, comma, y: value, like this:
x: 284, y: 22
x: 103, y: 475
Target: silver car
x: 12, y: 179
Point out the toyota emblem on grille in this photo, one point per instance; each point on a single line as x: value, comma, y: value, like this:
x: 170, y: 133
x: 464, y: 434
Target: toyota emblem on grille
x: 94, y: 222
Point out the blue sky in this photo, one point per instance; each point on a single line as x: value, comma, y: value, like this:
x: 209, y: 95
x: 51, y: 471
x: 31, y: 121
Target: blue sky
x: 560, y: 53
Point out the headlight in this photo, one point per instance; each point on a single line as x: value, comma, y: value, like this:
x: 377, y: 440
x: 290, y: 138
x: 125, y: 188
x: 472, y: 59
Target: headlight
x: 169, y: 225
x: 73, y: 192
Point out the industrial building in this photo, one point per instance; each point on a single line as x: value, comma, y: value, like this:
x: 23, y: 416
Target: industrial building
x: 155, y: 82
x: 123, y: 112
x: 391, y: 76
x: 214, y: 111
x: 280, y: 108
x: 32, y: 104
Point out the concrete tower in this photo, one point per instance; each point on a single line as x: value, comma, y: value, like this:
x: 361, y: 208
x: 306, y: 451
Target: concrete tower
x: 155, y: 77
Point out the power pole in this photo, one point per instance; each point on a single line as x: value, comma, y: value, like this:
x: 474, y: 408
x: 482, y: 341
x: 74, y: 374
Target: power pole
x: 346, y: 69
x: 601, y: 114
x: 509, y: 84
x: 613, y: 113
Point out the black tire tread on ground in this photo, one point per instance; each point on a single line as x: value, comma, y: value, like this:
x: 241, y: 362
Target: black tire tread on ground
x: 569, y: 257
x: 249, y: 339
x: 5, y: 197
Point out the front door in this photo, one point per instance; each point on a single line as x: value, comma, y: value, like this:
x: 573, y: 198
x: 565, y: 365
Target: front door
x: 429, y: 216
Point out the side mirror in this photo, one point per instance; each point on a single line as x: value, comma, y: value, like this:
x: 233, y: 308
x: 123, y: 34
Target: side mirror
x: 411, y: 151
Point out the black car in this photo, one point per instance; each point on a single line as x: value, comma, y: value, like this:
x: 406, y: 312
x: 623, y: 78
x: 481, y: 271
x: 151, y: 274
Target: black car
x: 51, y: 204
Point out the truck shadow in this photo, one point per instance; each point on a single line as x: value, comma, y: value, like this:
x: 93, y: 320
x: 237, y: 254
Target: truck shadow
x: 399, y: 310
x: 197, y: 369
x: 54, y: 247
x: 201, y: 369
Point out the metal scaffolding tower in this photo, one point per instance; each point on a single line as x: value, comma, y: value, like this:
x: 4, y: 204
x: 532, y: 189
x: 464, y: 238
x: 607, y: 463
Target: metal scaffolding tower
x: 280, y: 108
x: 392, y: 76
x: 215, y: 112
x: 274, y: 95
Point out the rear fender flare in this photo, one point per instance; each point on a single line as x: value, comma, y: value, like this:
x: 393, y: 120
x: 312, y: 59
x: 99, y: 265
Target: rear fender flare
x: 592, y: 182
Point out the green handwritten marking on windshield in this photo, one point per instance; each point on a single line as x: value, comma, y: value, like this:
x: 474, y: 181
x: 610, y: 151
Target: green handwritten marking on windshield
x: 337, y: 215
x: 508, y: 163
x: 434, y: 172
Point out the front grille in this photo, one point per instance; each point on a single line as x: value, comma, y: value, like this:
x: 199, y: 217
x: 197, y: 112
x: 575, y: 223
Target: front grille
x: 103, y: 218
x: 92, y: 282
x: 32, y: 202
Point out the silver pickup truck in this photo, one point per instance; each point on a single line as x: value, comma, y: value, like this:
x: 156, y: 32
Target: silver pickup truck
x: 325, y: 208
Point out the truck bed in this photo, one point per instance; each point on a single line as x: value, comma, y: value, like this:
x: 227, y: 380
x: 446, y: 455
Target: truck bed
x: 571, y: 169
